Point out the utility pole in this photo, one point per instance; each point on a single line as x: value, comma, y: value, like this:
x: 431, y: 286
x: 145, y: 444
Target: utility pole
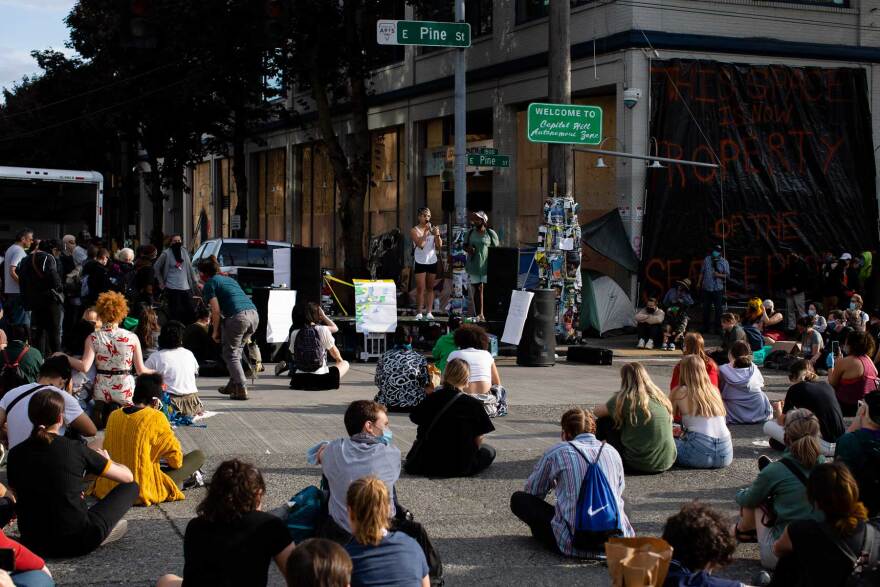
x: 460, y: 127
x: 559, y: 157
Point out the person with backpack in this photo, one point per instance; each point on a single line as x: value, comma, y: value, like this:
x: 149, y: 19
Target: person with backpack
x: 452, y: 423
x: 587, y: 477
x: 42, y: 292
x: 402, y: 375
x: 229, y: 304
x: 859, y: 449
x: 827, y: 553
x: 313, y: 341
x: 778, y: 496
x: 21, y: 361
x: 55, y: 374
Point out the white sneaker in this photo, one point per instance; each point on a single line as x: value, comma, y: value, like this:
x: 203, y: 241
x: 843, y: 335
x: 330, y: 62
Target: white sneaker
x: 649, y: 344
x: 419, y: 316
x: 429, y: 316
x: 641, y: 344
x: 117, y: 532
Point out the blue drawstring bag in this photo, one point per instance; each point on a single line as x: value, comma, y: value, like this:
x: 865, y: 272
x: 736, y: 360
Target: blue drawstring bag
x: 597, y: 516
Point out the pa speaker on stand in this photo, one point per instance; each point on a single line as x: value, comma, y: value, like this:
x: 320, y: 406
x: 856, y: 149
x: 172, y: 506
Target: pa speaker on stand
x: 537, y: 347
x: 305, y: 274
x: 501, y: 275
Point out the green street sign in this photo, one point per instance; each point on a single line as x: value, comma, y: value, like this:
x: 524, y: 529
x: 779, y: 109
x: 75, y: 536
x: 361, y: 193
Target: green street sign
x: 483, y: 160
x: 423, y: 32
x: 564, y: 123
x: 488, y: 151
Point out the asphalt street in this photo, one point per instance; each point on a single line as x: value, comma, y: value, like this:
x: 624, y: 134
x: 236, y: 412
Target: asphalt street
x: 478, y: 538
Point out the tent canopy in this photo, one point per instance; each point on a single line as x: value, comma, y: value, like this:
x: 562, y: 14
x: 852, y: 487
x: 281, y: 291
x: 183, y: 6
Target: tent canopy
x: 607, y: 235
x: 605, y: 306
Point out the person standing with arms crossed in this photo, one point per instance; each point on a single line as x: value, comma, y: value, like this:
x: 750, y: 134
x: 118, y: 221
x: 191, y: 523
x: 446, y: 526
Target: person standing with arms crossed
x: 713, y: 281
x: 426, y: 239
x: 477, y: 242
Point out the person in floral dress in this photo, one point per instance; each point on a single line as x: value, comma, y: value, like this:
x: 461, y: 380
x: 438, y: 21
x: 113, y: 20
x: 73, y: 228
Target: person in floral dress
x: 114, y: 351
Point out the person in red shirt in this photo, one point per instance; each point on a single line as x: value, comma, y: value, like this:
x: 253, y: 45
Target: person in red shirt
x: 694, y: 345
x: 29, y: 568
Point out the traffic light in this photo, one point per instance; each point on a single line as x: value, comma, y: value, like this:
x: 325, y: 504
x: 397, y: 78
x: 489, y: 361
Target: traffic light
x: 137, y: 26
x: 276, y: 15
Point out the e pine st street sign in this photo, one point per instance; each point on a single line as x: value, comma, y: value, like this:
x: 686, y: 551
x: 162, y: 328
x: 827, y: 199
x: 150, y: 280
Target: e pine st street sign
x: 423, y: 32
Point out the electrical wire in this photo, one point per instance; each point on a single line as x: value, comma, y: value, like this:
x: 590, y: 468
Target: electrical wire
x: 89, y: 91
x: 94, y: 112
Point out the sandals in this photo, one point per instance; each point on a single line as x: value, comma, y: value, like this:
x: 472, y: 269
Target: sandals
x: 745, y: 536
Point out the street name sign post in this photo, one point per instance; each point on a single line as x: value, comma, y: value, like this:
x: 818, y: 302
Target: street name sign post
x: 486, y: 160
x: 571, y: 124
x: 423, y: 32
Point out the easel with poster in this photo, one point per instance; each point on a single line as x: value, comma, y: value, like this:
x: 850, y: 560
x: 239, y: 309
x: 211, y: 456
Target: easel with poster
x: 559, y: 260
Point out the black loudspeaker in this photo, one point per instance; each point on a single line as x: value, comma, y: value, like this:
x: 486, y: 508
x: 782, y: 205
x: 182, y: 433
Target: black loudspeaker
x: 537, y: 347
x: 589, y: 355
x: 305, y: 274
x: 503, y: 269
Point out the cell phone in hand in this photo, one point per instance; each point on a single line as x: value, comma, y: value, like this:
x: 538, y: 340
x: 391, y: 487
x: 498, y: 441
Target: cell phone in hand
x: 7, y: 559
x: 835, y: 347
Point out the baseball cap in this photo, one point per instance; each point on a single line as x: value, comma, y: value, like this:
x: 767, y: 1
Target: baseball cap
x: 846, y: 257
x: 482, y: 216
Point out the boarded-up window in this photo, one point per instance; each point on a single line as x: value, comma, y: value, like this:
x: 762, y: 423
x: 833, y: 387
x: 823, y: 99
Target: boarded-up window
x: 228, y: 195
x: 388, y: 182
x: 317, y: 215
x: 203, y: 203
x: 271, y: 194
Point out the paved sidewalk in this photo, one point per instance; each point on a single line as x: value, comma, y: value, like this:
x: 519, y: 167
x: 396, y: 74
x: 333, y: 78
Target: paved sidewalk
x: 480, y: 541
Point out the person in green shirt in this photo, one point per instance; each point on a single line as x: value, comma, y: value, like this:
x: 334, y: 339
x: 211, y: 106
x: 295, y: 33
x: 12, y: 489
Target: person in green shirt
x: 446, y: 344
x: 781, y: 482
x: 30, y: 362
x: 637, y: 421
x: 476, y: 243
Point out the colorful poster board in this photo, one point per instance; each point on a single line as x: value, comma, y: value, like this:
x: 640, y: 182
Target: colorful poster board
x: 375, y: 305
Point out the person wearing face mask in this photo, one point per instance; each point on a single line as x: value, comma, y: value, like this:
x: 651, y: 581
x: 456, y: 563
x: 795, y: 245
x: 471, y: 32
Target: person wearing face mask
x: 819, y: 321
x: 649, y: 325
x: 855, y: 318
x: 477, y: 242
x: 402, y: 375
x: 178, y: 280
x: 713, y: 282
x: 366, y: 451
x: 96, y: 277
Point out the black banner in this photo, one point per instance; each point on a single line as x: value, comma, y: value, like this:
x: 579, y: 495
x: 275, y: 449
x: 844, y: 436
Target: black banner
x: 796, y: 170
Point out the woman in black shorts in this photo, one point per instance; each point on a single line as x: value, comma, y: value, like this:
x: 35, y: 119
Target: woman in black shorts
x: 427, y: 241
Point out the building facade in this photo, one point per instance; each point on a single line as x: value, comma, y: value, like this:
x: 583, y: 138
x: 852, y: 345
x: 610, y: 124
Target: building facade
x: 614, y: 45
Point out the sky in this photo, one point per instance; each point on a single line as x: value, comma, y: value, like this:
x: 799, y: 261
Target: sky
x: 26, y: 25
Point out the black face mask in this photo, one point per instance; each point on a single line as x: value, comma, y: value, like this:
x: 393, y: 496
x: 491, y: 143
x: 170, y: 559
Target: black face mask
x: 650, y: 310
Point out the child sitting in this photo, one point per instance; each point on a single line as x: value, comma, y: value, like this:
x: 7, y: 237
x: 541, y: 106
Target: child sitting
x: 178, y: 367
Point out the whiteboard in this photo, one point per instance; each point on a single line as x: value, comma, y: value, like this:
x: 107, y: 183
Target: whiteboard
x: 516, y: 316
x: 279, y: 314
x: 375, y: 305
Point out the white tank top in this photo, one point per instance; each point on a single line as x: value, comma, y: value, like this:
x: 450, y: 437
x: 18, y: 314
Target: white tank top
x: 427, y: 254
x: 714, y: 427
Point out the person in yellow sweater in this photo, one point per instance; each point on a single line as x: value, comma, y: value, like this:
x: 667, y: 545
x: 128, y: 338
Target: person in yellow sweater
x: 139, y: 437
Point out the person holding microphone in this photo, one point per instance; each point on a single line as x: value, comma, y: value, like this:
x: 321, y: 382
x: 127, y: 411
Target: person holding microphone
x: 426, y: 239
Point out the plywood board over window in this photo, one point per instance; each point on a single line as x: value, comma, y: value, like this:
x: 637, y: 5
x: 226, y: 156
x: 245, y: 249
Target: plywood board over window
x: 318, y: 211
x: 271, y: 193
x: 388, y: 182
x: 228, y: 195
x: 203, y: 203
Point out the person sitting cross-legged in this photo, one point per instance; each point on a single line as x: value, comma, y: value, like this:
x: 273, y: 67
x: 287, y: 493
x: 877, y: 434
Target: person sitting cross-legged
x: 449, y: 440
x: 231, y: 541
x: 649, y: 324
x: 367, y: 450
x: 139, y: 436
x: 178, y: 368
x: 402, y: 375
x: 310, y: 343
x: 380, y: 555
x: 46, y: 474
x: 562, y: 469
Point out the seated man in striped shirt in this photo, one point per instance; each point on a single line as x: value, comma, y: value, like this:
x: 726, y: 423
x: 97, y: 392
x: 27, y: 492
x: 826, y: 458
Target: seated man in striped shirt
x: 562, y: 469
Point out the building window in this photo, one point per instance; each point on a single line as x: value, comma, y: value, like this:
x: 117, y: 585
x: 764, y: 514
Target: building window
x: 527, y: 10
x: 271, y: 196
x: 477, y: 13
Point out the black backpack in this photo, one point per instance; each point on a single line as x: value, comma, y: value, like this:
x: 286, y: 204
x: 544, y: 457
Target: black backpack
x: 308, y: 352
x: 866, y: 563
x: 11, y: 375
